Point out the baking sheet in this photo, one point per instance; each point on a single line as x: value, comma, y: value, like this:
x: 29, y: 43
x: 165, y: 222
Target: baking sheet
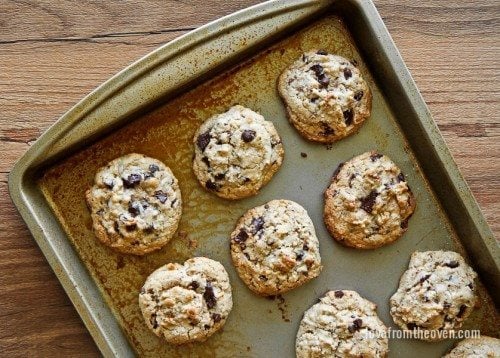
x: 257, y: 327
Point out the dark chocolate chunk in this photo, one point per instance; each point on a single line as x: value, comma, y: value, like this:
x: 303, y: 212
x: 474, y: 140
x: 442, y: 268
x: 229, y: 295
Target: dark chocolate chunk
x: 452, y: 264
x: 401, y: 177
x: 220, y: 176
x: 375, y: 156
x: 348, y: 116
x: 305, y: 247
x: 461, y: 311
x: 320, y: 75
x: 203, y: 140
x: 424, y: 278
x: 206, y: 161
x: 258, y: 224
x: 161, y: 196
x: 326, y: 129
x: 216, y: 317
x: 347, y: 73
x: 358, y: 95
x: 193, y: 285
x: 368, y: 202
x: 241, y: 237
x: 300, y: 256
x: 134, y: 208
x: 248, y: 135
x: 207, y: 326
x: 337, y: 171
x: 209, y: 296
x: 210, y: 185
x: 323, y: 80
x: 263, y: 278
x: 339, y: 294
x: 303, y: 155
x: 132, y: 180
x: 471, y: 286
x: 322, y: 52
x: 153, y: 168
x: 355, y: 326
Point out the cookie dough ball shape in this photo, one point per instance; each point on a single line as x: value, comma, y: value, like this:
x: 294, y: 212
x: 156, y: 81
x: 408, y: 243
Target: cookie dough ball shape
x: 236, y: 153
x: 135, y: 204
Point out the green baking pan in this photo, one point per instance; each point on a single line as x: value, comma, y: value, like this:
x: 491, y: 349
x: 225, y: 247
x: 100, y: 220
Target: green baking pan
x: 154, y: 107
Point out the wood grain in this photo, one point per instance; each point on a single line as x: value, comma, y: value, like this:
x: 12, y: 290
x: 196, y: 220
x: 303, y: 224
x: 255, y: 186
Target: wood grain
x: 53, y: 53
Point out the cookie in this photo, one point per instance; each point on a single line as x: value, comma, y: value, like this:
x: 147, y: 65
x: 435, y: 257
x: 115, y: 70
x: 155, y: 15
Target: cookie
x: 368, y: 203
x: 186, y: 303
x: 325, y: 95
x: 274, y: 248
x: 236, y: 153
x: 342, y: 324
x: 482, y: 347
x: 135, y: 204
x: 436, y: 293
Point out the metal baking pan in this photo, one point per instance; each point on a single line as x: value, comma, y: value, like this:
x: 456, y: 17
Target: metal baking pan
x: 155, y: 105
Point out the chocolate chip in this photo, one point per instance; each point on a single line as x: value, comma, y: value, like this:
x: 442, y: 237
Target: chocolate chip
x: 347, y: 73
x: 423, y: 279
x: 209, y: 296
x: 303, y: 155
x: 216, y: 317
x: 207, y: 326
x: 210, y: 185
x: 411, y: 326
x: 161, y: 196
x: 149, y: 230
x: 471, y: 286
x: 320, y: 75
x: 203, y: 140
x: 337, y: 171
x: 263, y: 278
x: 322, y: 52
x: 323, y: 80
x: 300, y: 256
x: 375, y: 156
x: 326, y: 129
x: 368, y: 202
x: 339, y: 294
x: 313, y: 99
x: 356, y: 325
x: 461, y: 311
x: 452, y: 264
x: 401, y: 177
x: 348, y: 116
x: 206, y: 161
x: 241, y: 237
x: 446, y: 305
x: 153, y: 322
x: 258, y: 224
x: 153, y: 168
x: 246, y: 180
x: 132, y: 180
x: 305, y: 247
x: 193, y: 285
x: 248, y: 135
x: 134, y: 208
x: 130, y: 227
x: 358, y: 95
x: 220, y: 176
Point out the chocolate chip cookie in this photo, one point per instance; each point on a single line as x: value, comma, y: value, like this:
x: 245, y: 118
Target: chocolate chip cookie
x: 482, y: 347
x: 436, y: 293
x: 325, y: 95
x: 368, y: 203
x: 186, y: 303
x: 274, y: 248
x: 342, y: 324
x: 135, y: 204
x: 236, y: 153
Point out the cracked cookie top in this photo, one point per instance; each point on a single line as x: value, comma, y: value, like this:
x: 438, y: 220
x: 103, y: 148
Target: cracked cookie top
x: 236, y: 153
x: 342, y: 324
x: 325, y: 95
x: 135, y: 204
x: 274, y: 248
x: 482, y: 347
x: 186, y: 303
x: 368, y: 203
x: 437, y: 292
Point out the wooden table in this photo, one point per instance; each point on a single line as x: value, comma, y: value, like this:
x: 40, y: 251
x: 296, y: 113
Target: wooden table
x: 52, y: 53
